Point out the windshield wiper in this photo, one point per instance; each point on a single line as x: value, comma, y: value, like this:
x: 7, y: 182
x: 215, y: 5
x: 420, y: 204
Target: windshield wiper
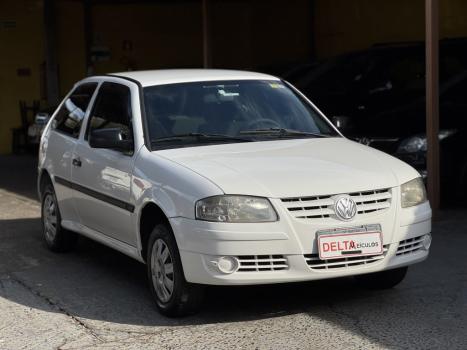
x: 200, y: 137
x: 281, y: 132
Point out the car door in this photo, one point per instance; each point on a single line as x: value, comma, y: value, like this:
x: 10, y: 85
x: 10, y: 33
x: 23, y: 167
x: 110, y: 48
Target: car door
x: 61, y: 141
x: 102, y: 177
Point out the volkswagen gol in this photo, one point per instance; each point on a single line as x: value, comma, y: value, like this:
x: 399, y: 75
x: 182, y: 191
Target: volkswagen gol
x: 216, y: 177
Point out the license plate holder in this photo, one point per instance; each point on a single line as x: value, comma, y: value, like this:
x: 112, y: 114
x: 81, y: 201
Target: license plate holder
x: 350, y: 242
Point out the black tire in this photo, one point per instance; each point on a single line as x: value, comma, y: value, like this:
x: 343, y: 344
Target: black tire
x: 185, y: 298
x: 382, y: 280
x: 61, y: 240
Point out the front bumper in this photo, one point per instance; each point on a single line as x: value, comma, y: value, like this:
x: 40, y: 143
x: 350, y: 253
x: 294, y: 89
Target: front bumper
x: 202, y: 243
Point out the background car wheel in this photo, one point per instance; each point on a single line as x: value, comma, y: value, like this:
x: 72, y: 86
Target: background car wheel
x: 174, y: 296
x: 382, y: 280
x: 56, y: 237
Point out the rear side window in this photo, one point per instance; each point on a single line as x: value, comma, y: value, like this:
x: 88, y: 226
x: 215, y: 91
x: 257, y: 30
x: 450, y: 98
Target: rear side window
x: 112, y: 108
x: 70, y: 116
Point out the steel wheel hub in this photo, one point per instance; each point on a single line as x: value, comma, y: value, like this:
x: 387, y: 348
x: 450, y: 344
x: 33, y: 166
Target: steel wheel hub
x: 50, y: 217
x: 162, y: 270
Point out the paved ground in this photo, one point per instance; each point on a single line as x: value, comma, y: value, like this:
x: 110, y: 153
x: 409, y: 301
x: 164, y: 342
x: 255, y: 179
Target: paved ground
x: 97, y: 298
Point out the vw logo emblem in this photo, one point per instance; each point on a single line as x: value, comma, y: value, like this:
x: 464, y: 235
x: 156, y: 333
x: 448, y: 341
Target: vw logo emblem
x: 345, y: 208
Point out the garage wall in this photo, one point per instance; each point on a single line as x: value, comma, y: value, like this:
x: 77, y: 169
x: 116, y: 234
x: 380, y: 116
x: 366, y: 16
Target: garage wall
x: 70, y: 41
x: 21, y: 48
x: 343, y: 25
x: 244, y: 34
x: 147, y: 36
x: 248, y: 34
x: 22, y: 56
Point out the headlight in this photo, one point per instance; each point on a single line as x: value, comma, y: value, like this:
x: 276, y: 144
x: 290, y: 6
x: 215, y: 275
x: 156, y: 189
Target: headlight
x: 418, y: 143
x: 235, y: 209
x: 413, y: 193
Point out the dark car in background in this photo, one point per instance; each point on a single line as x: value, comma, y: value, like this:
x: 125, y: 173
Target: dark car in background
x: 377, y: 97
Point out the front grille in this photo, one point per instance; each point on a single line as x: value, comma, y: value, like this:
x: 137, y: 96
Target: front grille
x: 318, y: 207
x: 410, y: 245
x: 252, y: 263
x: 315, y: 263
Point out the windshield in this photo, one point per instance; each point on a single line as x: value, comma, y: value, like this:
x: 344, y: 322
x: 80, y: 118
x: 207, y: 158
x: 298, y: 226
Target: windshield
x: 228, y: 111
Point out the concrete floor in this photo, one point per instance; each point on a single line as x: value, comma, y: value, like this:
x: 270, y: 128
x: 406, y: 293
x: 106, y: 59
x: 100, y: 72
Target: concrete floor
x: 97, y: 298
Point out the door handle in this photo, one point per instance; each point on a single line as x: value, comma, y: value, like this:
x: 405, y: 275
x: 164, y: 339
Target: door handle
x: 76, y: 162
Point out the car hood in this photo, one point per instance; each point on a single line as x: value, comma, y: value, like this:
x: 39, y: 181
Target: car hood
x: 290, y: 168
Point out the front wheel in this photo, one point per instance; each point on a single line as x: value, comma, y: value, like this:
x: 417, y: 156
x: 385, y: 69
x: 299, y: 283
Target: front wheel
x: 382, y: 280
x: 173, y: 295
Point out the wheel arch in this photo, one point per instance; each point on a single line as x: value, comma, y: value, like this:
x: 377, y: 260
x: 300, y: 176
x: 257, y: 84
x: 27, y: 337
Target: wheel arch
x: 43, y: 178
x: 151, y: 214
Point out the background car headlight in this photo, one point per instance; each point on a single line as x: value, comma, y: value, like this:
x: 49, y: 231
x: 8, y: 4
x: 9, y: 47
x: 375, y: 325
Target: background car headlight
x: 235, y: 209
x: 418, y: 143
x: 412, y: 145
x: 413, y: 193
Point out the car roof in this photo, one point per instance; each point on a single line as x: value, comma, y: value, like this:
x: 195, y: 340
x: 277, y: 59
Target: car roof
x: 171, y: 76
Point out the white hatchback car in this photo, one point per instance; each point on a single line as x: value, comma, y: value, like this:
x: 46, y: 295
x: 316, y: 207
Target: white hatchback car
x: 216, y: 177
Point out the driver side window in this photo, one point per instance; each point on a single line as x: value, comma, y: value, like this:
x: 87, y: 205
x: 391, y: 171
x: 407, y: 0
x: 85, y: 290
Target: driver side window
x: 112, y: 109
x: 70, y: 116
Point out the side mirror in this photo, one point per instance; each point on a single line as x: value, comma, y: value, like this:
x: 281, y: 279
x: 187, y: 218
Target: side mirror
x: 112, y: 138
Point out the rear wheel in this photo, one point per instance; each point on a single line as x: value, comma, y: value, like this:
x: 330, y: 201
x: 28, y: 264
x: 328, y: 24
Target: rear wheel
x: 56, y: 237
x: 382, y: 280
x: 173, y: 295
